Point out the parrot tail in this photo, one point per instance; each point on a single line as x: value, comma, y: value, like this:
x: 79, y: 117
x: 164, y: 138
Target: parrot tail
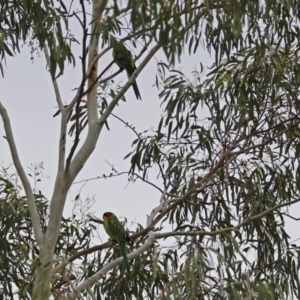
x: 134, y: 85
x: 124, y: 254
x: 136, y: 91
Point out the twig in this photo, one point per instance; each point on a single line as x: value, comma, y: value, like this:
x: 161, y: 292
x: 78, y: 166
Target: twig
x: 199, y: 203
x: 139, y: 136
x: 54, y: 82
x: 80, y: 95
x: 104, y: 80
x: 224, y: 230
x: 119, y: 174
x: 62, y: 109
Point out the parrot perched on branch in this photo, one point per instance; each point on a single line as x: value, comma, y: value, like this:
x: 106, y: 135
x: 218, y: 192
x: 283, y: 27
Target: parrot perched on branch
x: 124, y: 59
x: 117, y: 232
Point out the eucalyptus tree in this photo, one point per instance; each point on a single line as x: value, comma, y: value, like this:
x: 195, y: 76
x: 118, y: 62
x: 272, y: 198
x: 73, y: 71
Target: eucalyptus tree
x: 225, y: 151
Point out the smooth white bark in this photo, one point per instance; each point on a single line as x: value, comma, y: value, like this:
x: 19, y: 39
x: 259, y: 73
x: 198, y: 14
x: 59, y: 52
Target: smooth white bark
x: 36, y: 222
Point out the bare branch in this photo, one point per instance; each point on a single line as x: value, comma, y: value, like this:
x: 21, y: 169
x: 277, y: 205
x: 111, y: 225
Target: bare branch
x: 81, y: 88
x: 154, y: 158
x: 119, y: 174
x: 110, y: 76
x: 55, y: 85
x: 36, y: 222
x: 291, y: 217
x: 63, y: 110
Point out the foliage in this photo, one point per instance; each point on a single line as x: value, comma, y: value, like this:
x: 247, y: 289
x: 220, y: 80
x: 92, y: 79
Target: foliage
x: 225, y: 153
x: 37, y: 23
x: 19, y: 251
x: 245, y: 114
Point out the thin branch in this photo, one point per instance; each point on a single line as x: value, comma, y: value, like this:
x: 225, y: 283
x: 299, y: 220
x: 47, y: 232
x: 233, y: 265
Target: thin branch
x: 288, y: 216
x: 224, y: 230
x: 138, y: 176
x: 127, y: 125
x: 266, y: 141
x: 119, y: 174
x: 81, y: 88
x: 104, y: 80
x: 110, y: 76
x: 54, y: 82
x: 199, y: 203
x: 139, y: 136
x: 63, y: 125
x: 35, y: 218
x: 144, y: 49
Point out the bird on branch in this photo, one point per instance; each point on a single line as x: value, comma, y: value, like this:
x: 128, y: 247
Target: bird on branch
x: 124, y: 59
x: 117, y: 232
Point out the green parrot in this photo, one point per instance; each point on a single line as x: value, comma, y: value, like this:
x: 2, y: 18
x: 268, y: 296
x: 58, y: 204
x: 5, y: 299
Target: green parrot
x: 124, y: 59
x: 117, y: 232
